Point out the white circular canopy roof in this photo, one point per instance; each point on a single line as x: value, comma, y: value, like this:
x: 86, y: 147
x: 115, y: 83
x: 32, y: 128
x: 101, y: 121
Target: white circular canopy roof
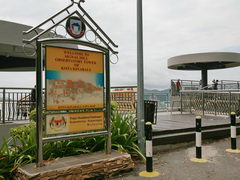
x: 207, y: 61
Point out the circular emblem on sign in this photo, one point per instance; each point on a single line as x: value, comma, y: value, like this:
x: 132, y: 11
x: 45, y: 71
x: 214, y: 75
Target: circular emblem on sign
x: 75, y: 27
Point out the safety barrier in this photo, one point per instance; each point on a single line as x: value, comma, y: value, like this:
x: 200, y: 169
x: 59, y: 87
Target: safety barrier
x: 198, y: 138
x: 149, y: 152
x: 210, y: 102
x: 15, y: 104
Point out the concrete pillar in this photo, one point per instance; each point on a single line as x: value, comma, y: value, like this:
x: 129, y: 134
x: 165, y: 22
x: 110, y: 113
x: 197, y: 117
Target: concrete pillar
x: 204, y: 78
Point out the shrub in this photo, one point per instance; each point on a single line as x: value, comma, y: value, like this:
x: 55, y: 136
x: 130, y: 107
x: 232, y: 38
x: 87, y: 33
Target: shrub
x: 18, y: 150
x: 32, y: 115
x: 21, y: 146
x: 124, y: 134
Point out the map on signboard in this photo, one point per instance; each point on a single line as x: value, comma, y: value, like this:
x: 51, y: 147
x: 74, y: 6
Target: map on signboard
x: 74, y: 79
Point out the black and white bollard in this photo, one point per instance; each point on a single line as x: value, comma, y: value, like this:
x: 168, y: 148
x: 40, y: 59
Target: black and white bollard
x: 233, y: 131
x: 233, y: 134
x: 149, y: 159
x: 198, y: 138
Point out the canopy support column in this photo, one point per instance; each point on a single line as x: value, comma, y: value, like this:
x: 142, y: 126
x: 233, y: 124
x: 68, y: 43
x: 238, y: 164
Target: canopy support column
x: 204, y: 78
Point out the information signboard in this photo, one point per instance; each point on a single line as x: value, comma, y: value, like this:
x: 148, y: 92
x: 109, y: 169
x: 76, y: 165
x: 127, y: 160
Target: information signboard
x: 74, y: 79
x: 74, y: 122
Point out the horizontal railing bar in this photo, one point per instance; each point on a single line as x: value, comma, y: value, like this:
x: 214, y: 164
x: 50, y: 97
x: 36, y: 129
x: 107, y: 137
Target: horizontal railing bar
x: 16, y: 88
x: 74, y: 136
x: 210, y: 91
x: 124, y: 87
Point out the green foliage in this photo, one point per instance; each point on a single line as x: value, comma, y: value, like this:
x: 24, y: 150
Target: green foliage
x: 32, y: 115
x: 20, y: 148
x: 113, y: 106
x: 124, y: 134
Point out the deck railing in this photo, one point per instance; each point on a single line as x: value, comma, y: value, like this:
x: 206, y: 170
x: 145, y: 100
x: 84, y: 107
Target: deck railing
x: 15, y: 104
x: 196, y: 85
x: 163, y: 102
x: 216, y: 102
x: 126, y: 98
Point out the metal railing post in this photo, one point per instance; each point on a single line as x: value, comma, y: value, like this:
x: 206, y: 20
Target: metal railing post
x: 190, y: 103
x: 203, y: 103
x: 215, y: 104
x: 181, y: 102
x: 3, y: 106
x: 230, y: 101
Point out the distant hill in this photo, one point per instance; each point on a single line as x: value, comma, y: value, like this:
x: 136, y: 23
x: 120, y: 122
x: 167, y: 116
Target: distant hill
x: 161, y: 95
x: 156, y: 91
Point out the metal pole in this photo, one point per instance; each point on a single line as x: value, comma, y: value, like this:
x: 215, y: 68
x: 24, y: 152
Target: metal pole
x: 108, y: 105
x: 39, y: 105
x: 203, y: 103
x: 181, y: 102
x: 230, y: 102
x: 190, y: 103
x: 3, y: 106
x: 140, y: 79
x: 215, y: 104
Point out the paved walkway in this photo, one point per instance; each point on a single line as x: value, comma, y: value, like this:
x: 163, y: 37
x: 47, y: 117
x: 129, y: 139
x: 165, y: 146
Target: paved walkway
x: 176, y: 120
x: 176, y: 165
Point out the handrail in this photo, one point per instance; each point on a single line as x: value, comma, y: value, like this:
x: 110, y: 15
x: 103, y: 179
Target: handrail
x: 211, y: 91
x: 215, y: 102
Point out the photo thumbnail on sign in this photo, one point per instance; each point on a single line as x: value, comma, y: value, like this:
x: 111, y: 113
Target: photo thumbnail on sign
x: 74, y: 79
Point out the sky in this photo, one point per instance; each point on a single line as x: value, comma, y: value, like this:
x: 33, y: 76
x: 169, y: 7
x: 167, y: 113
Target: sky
x: 170, y: 27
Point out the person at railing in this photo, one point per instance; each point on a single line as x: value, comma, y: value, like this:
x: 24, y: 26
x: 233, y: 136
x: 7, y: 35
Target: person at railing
x: 178, y: 86
x: 200, y: 85
x: 215, y: 84
x: 33, y: 98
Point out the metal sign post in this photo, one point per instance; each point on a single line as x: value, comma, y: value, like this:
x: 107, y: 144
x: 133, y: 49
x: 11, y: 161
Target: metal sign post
x: 140, y: 79
x: 39, y: 105
x: 108, y: 104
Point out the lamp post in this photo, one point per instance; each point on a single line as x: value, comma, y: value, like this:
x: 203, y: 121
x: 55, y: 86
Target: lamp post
x: 140, y: 79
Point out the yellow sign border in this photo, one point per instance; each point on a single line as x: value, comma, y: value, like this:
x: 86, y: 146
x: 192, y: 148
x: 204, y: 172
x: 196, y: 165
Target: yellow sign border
x: 77, y: 106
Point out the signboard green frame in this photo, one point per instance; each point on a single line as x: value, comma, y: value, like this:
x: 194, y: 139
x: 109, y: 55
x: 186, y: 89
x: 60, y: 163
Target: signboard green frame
x: 96, y: 116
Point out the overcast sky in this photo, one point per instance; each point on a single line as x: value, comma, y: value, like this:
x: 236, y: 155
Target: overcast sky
x: 171, y: 27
